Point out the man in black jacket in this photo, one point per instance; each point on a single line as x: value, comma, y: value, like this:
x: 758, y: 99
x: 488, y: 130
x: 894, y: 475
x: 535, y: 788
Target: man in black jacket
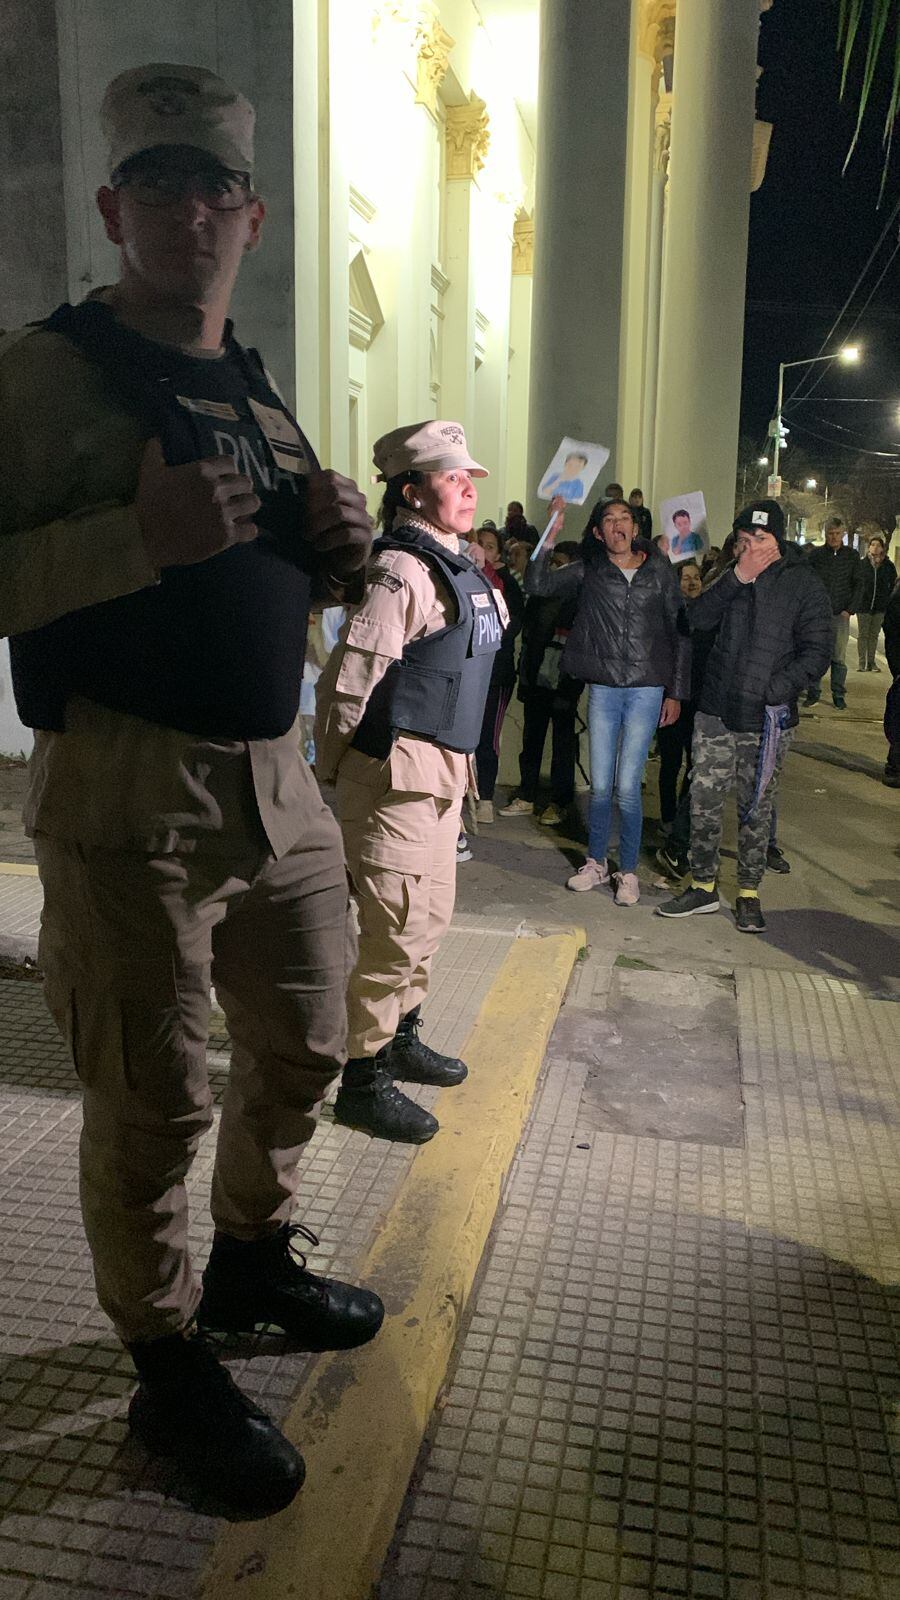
x: 774, y: 640
x: 839, y: 569
x: 892, y: 708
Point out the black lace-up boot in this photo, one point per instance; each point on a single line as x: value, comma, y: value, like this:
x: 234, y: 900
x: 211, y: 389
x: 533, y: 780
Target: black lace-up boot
x: 369, y: 1100
x: 415, y: 1062
x: 267, y: 1280
x: 188, y: 1407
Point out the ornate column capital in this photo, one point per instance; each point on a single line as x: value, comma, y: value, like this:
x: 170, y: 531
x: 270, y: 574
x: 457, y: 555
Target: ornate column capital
x: 656, y: 25
x: 467, y: 138
x: 523, y: 246
x: 387, y: 14
x: 433, y: 46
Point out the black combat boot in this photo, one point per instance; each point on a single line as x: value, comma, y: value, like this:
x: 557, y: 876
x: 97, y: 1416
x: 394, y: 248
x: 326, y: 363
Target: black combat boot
x: 267, y: 1280
x: 368, y: 1100
x: 188, y: 1407
x: 414, y: 1062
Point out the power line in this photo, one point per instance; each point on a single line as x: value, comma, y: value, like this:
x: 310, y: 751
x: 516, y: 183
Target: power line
x: 855, y: 400
x: 855, y: 323
x: 856, y: 449
x: 825, y: 422
x: 871, y: 257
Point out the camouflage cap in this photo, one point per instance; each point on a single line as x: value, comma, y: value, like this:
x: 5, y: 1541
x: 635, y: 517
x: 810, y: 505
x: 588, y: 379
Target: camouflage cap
x: 165, y: 104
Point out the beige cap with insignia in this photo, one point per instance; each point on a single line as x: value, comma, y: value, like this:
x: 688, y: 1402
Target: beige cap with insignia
x: 166, y: 104
x: 424, y: 447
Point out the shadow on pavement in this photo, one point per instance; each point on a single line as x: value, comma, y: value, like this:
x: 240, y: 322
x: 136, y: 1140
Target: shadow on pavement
x: 839, y: 945
x: 735, y: 1444
x: 65, y: 1441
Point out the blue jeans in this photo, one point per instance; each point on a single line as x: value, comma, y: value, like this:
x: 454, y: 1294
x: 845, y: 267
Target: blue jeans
x: 622, y: 723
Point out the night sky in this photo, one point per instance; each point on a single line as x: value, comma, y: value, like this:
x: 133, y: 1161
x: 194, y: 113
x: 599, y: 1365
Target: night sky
x: 811, y: 229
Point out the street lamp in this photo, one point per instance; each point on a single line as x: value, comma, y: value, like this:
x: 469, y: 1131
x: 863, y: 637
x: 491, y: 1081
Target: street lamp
x: 811, y: 483
x: 763, y: 461
x: 849, y: 353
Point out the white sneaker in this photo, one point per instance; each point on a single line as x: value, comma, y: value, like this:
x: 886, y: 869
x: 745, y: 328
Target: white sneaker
x: 591, y: 876
x: 484, y: 811
x: 463, y: 853
x: 628, y: 890
x: 517, y: 808
x: 551, y: 817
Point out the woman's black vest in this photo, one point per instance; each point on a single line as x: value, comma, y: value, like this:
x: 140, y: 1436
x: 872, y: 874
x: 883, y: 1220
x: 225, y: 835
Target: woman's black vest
x: 439, y: 686
x: 215, y: 649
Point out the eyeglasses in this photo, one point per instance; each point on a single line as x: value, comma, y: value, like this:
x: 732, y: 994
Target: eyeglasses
x: 217, y: 191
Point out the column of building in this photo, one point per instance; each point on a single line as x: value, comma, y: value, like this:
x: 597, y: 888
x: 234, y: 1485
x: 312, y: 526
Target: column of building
x: 519, y: 357
x: 579, y: 227
x: 663, y: 46
x: 705, y: 255
x: 638, y: 243
x: 468, y: 138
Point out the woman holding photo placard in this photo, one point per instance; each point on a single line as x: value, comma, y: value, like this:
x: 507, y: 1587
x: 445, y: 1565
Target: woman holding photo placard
x: 629, y: 643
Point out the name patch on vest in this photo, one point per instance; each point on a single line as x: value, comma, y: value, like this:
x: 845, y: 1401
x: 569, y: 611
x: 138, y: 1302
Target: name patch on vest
x: 220, y: 409
x: 282, y: 438
x: 487, y: 632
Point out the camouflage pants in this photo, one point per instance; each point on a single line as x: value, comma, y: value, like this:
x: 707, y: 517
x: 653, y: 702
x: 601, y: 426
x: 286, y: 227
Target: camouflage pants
x: 723, y: 761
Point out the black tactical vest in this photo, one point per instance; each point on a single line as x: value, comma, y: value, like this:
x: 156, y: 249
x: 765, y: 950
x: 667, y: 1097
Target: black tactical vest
x: 439, y: 686
x: 215, y: 649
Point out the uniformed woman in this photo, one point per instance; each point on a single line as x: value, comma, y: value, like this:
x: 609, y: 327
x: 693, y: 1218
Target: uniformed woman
x: 399, y: 714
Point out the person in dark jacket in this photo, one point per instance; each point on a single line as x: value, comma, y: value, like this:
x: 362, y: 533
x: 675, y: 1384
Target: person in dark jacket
x: 549, y: 700
x: 673, y: 857
x: 629, y: 643
x: 876, y: 585
x: 642, y: 513
x: 503, y: 672
x: 674, y: 741
x: 774, y: 638
x: 517, y: 525
x: 839, y: 569
x: 892, y: 707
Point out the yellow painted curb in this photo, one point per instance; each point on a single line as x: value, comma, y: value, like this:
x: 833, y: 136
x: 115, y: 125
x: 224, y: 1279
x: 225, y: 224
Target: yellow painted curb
x: 361, y: 1414
x: 17, y: 869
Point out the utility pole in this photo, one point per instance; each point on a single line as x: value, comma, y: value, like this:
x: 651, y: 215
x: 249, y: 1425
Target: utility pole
x: 848, y: 353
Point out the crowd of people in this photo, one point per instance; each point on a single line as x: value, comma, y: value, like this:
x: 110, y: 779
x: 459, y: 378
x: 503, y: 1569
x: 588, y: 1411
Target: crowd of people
x: 693, y: 656
x: 165, y: 531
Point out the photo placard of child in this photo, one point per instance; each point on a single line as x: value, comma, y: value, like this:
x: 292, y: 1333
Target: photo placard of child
x: 685, y: 532
x: 573, y: 471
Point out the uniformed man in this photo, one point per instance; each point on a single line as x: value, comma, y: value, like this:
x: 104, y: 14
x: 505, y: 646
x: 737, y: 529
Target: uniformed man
x: 399, y: 714
x: 164, y: 525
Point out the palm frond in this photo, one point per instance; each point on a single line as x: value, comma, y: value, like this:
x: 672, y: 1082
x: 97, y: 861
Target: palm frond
x: 848, y: 27
x: 882, y: 13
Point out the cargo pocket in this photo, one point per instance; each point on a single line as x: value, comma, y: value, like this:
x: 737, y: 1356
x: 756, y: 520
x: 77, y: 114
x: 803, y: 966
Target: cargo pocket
x: 391, y: 891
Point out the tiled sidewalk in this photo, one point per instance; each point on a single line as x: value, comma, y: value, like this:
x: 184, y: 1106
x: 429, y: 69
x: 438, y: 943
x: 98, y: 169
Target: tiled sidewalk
x: 82, y: 1513
x: 681, y: 1371
x: 21, y: 899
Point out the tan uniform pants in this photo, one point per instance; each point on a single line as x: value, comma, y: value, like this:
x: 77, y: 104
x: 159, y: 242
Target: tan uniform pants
x: 401, y: 852
x: 130, y: 944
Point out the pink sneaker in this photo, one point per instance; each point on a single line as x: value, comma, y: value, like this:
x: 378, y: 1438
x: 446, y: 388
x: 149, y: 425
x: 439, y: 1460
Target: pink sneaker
x: 628, y: 890
x: 591, y: 876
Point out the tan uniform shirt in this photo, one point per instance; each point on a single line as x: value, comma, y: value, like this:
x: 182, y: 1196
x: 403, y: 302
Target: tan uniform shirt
x: 404, y: 601
x: 70, y: 537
